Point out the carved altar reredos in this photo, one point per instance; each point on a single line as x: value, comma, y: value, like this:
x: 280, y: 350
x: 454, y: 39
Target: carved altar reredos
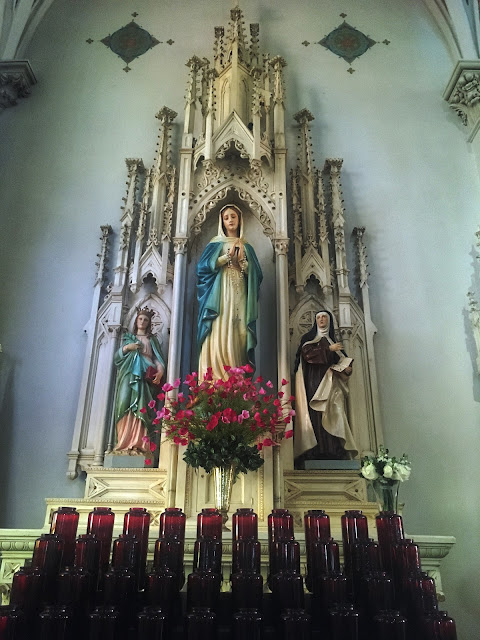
x: 232, y: 150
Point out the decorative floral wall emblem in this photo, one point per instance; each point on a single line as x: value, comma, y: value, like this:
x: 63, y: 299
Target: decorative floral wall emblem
x: 130, y: 42
x: 347, y: 42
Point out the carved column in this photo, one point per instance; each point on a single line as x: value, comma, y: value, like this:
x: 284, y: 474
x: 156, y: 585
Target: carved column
x: 210, y: 112
x: 333, y: 167
x: 175, y: 348
x: 283, y: 339
x: 81, y: 421
x: 195, y: 64
x: 135, y: 167
x: 370, y: 328
x: 142, y: 222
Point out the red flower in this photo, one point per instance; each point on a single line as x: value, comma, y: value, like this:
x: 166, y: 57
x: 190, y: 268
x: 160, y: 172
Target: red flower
x: 161, y: 397
x: 284, y: 382
x: 143, y: 410
x: 267, y: 442
x: 148, y: 462
x: 248, y: 368
x: 289, y: 433
x: 151, y: 404
x: 259, y: 446
x: 152, y: 446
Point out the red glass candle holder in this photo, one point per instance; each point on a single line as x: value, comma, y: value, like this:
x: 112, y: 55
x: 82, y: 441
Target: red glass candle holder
x: 317, y: 526
x: 203, y: 589
x: 390, y: 625
x: 406, y: 561
x: 376, y: 593
x: 169, y: 554
x: 280, y: 526
x: 345, y: 622
x: 172, y: 524
x: 12, y: 623
x: 247, y: 591
x: 207, y: 556
x: 126, y: 553
x: 47, y: 553
x: 28, y: 592
x: 201, y: 623
x: 76, y: 588
x: 245, y: 525
x: 284, y: 556
x: 247, y: 625
x: 246, y: 556
x: 161, y: 589
x: 119, y: 590
x: 137, y: 523
x: 389, y: 532
x: 330, y: 589
x: 152, y: 624
x: 421, y: 597
x: 209, y: 525
x: 64, y: 524
x: 287, y: 590
x: 105, y: 623
x: 100, y: 523
x: 296, y: 625
x: 354, y: 528
x: 87, y: 553
x: 57, y: 622
x: 324, y: 559
x: 439, y: 626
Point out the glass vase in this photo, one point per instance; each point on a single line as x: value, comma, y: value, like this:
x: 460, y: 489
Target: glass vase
x: 223, y: 479
x: 386, y: 493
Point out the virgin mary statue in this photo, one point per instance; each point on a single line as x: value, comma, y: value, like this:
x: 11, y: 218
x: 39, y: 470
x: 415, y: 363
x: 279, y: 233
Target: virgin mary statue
x: 229, y: 278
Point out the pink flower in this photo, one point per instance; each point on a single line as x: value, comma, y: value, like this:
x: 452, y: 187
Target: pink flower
x: 143, y: 410
x: 289, y: 433
x: 276, y: 403
x: 284, y: 382
x: 148, y: 462
x: 291, y: 398
x: 151, y: 404
x: 153, y: 446
x: 245, y: 414
x: 161, y: 397
x: 167, y: 387
x: 270, y: 384
x: 248, y: 368
x: 145, y: 439
x: 181, y: 397
x: 176, y: 384
x: 262, y: 391
x: 291, y: 412
x: 155, y: 421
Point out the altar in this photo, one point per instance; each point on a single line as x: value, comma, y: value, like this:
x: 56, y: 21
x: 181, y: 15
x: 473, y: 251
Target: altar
x: 232, y: 152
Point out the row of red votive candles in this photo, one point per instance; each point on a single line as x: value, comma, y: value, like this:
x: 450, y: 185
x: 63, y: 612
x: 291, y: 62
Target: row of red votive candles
x: 350, y: 605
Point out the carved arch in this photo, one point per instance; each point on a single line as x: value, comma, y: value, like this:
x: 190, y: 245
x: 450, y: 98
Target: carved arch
x: 259, y: 208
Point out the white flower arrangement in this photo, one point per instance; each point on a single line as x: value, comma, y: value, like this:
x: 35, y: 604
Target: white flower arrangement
x: 385, y: 468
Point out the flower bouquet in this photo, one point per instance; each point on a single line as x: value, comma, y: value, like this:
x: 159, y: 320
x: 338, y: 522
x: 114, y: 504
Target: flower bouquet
x: 225, y: 423
x: 386, y: 472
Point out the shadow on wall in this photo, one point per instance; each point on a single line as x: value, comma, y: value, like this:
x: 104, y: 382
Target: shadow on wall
x: 6, y: 420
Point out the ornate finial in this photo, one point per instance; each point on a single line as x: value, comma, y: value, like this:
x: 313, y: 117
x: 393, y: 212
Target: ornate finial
x: 304, y: 116
x: 166, y: 115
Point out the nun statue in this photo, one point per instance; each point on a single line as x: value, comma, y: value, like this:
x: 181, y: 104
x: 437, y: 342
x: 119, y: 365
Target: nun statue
x: 321, y: 388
